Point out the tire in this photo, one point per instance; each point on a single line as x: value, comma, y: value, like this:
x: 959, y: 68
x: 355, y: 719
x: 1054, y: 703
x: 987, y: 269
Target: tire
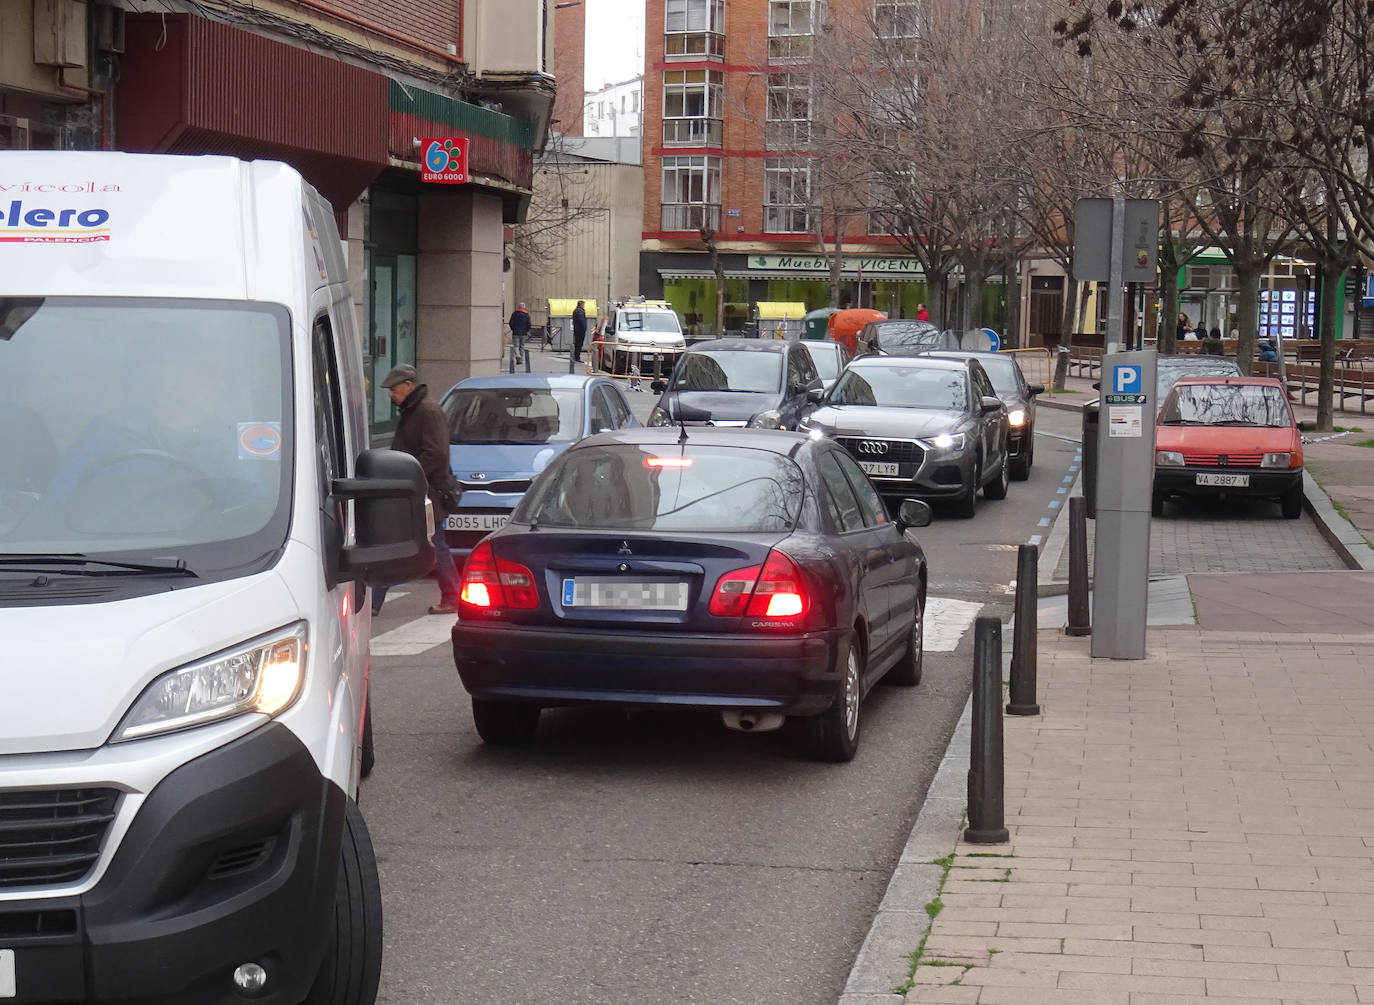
x: 1021, y: 464
x: 907, y: 672
x: 1156, y: 503
x: 352, y: 964
x: 834, y: 734
x: 369, y: 756
x: 505, y: 722
x: 997, y: 488
x: 1291, y: 501
x: 967, y: 504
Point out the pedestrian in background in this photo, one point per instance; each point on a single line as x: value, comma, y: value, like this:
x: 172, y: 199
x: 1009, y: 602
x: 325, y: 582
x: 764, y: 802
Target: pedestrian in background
x: 1267, y: 352
x: 1200, y: 332
x: 921, y: 313
x: 422, y: 432
x: 1211, y: 344
x: 519, y: 330
x: 579, y: 333
x: 1216, y: 333
x: 1181, y: 334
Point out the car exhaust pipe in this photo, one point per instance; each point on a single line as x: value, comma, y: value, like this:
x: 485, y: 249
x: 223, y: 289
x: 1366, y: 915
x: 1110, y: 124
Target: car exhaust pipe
x: 752, y: 722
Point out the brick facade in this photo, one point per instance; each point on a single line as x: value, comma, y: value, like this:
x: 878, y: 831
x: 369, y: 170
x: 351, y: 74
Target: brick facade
x: 569, y: 64
x: 433, y: 24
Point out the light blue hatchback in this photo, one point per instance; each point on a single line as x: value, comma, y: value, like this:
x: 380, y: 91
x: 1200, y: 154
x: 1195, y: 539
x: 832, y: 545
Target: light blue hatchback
x: 504, y: 430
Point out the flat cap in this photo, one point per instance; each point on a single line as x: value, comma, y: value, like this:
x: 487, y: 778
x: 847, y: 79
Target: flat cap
x: 399, y: 375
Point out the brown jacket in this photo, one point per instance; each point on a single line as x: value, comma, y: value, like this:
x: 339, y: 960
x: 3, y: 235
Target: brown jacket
x: 422, y: 432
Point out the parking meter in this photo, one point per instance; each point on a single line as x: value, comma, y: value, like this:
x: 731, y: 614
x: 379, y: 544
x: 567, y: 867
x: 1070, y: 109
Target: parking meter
x: 1125, y: 479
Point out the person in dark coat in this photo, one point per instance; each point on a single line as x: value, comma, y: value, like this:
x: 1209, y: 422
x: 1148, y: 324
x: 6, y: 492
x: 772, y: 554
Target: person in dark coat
x: 519, y: 330
x: 1211, y: 344
x: 1200, y: 332
x: 579, y: 332
x: 422, y: 432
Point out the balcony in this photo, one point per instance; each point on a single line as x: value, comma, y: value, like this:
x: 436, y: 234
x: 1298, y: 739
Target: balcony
x: 693, y: 45
x: 789, y: 48
x: 690, y: 216
x: 692, y: 132
x: 786, y: 220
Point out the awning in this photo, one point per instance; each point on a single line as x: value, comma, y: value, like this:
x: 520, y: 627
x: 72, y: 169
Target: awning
x: 775, y: 310
x: 776, y: 274
x: 563, y: 308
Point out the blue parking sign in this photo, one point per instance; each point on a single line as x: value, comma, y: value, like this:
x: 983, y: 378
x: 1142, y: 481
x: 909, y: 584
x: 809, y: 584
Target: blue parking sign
x: 1126, y: 380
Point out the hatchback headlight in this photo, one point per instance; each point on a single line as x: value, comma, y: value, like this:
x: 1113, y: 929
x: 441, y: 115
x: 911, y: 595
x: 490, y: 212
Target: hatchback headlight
x: 770, y: 419
x: 1278, y: 459
x: 1017, y: 416
x: 658, y: 417
x: 1168, y: 459
x: 264, y: 675
x: 949, y: 441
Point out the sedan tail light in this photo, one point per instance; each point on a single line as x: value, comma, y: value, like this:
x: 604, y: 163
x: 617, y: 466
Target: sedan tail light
x: 772, y: 590
x: 490, y: 585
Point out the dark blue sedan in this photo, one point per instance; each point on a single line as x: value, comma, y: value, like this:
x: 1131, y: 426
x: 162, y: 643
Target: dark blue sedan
x: 755, y: 573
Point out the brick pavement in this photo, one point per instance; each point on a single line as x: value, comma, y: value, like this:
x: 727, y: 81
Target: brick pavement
x: 1196, y: 825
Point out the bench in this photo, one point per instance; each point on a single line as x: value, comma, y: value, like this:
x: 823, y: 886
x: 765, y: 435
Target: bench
x: 1353, y: 379
x: 1085, y: 361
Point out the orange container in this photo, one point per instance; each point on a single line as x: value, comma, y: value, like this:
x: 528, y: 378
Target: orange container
x: 844, y: 326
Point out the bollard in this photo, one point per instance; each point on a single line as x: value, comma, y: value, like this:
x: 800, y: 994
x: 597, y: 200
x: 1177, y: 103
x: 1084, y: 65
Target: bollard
x: 986, y: 812
x: 1092, y: 429
x: 1080, y: 614
x: 572, y: 360
x: 1023, y: 655
x: 527, y: 361
x: 1061, y: 368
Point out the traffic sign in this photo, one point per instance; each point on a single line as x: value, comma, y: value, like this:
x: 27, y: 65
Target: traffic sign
x: 1126, y: 380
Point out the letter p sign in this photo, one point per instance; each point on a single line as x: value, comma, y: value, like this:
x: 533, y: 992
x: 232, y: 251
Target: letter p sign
x: 1126, y: 380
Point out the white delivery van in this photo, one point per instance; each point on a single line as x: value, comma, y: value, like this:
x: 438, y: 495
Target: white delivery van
x: 642, y: 338
x: 189, y: 523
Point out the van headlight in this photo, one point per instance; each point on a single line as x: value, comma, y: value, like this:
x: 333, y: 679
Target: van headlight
x: 264, y: 675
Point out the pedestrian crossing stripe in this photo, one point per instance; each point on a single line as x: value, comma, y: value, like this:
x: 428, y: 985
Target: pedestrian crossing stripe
x: 946, y: 622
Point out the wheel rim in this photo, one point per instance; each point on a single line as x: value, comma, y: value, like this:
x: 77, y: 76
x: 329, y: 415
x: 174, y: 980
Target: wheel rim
x: 851, y: 694
x: 1002, y: 480
x: 918, y: 632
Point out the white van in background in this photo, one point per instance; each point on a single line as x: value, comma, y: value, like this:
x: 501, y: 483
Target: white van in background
x: 189, y: 522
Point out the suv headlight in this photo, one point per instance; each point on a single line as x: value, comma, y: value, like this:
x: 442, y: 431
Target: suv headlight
x: 263, y: 675
x: 1017, y: 416
x: 1281, y: 459
x: 948, y: 441
x: 1168, y: 459
x: 658, y: 417
x: 770, y: 419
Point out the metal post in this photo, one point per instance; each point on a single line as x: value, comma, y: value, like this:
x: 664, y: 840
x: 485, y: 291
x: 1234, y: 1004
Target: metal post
x: 1092, y: 431
x: 527, y: 359
x: 986, y: 809
x: 512, y: 352
x: 1080, y: 614
x: 1023, y: 655
x: 1113, y: 340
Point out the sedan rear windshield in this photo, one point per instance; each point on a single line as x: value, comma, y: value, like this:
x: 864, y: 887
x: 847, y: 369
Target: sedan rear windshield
x: 684, y: 488
x: 1226, y: 405
x: 514, y: 415
x: 729, y: 370
x: 902, y: 387
x: 908, y: 335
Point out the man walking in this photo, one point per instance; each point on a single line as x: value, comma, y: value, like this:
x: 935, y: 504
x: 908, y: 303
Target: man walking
x: 422, y: 432
x: 519, y: 330
x: 579, y: 333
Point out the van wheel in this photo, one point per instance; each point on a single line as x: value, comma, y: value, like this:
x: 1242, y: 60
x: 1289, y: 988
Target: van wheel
x: 1291, y: 501
x: 505, y: 722
x: 369, y: 755
x: 352, y: 963
x: 834, y: 734
x: 907, y: 672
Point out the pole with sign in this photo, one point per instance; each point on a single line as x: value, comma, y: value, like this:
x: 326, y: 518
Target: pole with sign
x: 1125, y: 481
x: 444, y: 159
x: 1115, y: 241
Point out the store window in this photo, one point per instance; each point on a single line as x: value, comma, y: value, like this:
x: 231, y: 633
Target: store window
x: 694, y: 28
x: 786, y: 196
x: 692, y: 107
x: 389, y: 299
x: 691, y: 193
x: 695, y: 302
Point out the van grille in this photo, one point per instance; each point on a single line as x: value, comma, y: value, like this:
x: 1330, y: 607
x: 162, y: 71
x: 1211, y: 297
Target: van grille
x: 50, y: 837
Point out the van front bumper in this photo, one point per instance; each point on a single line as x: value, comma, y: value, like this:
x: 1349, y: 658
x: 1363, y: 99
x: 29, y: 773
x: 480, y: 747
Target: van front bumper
x: 232, y: 858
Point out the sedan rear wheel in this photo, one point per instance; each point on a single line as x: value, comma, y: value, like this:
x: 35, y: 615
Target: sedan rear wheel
x: 505, y: 722
x: 835, y: 732
x: 907, y: 672
x: 1021, y: 463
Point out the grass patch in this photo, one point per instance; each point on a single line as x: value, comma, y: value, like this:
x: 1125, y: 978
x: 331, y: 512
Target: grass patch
x: 1342, y: 511
x: 1346, y: 429
x: 933, y: 908
x: 1365, y: 443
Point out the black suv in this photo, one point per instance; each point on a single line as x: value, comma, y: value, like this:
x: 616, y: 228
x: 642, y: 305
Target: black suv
x: 760, y: 383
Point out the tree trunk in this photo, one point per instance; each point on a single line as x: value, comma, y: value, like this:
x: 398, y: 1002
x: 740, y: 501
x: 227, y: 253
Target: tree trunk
x: 937, y: 291
x: 837, y: 266
x: 974, y: 276
x: 1167, y: 340
x: 1332, y: 271
x: 1011, y: 275
x: 1247, y: 278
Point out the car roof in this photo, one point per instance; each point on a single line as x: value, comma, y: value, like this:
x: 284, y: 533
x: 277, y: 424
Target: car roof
x: 528, y: 380
x: 775, y: 440
x: 741, y: 345
x: 923, y: 360
x: 1227, y: 379
x: 976, y: 354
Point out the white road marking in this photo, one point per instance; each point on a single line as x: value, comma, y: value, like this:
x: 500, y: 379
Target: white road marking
x: 414, y: 637
x: 946, y: 622
x: 1035, y: 539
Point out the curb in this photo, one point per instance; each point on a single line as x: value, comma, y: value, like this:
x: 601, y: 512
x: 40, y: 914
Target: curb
x: 1339, y: 532
x: 1062, y: 406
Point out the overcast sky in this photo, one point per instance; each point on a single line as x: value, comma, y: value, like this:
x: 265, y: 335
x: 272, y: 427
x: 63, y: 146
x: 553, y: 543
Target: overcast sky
x: 615, y: 41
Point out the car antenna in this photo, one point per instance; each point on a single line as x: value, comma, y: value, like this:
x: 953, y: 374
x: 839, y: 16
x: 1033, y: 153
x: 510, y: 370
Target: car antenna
x: 683, y: 426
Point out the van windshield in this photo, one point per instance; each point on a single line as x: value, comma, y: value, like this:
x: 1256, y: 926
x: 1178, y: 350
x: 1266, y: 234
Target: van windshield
x: 145, y: 430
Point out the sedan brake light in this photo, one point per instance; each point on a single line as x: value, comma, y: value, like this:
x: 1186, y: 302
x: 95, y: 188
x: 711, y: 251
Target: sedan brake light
x: 490, y: 585
x: 772, y: 590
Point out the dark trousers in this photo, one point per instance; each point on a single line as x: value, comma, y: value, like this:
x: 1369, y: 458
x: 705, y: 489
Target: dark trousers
x: 578, y: 339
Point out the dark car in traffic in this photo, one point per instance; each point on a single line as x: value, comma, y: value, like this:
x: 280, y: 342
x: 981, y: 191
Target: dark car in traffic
x: 922, y: 427
x: 760, y: 383
x: 1019, y: 396
x: 753, y: 573
x: 904, y: 338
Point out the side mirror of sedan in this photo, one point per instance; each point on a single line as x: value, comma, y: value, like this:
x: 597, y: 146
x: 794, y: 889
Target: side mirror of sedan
x: 815, y: 394
x: 1306, y: 425
x: 1035, y: 389
x: 658, y: 386
x: 913, y: 513
x: 991, y: 404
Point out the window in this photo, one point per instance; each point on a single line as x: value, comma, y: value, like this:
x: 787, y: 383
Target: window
x: 602, y: 420
x: 786, y: 196
x: 634, y: 101
x: 839, y: 497
x: 691, y: 193
x: 694, y: 28
x: 870, y: 503
x: 601, y: 109
x: 692, y: 107
x: 897, y: 18
x: 788, y: 125
x: 620, y: 411
x: 791, y: 27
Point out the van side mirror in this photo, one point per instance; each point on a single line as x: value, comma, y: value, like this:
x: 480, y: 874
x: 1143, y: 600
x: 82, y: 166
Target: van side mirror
x: 391, y: 529
x: 913, y: 513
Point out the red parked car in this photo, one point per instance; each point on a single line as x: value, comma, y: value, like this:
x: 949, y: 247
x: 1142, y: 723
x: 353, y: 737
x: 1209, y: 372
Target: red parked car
x: 1228, y: 436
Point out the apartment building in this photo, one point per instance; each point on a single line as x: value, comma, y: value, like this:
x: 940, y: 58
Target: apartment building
x: 615, y: 110
x: 346, y: 92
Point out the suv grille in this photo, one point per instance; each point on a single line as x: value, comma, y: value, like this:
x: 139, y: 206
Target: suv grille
x: 52, y: 836
x: 897, y: 451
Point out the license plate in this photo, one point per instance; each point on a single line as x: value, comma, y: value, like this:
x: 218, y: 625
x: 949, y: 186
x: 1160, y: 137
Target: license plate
x: 617, y: 593
x: 1223, y: 481
x: 883, y: 469
x: 476, y: 521
x: 8, y: 987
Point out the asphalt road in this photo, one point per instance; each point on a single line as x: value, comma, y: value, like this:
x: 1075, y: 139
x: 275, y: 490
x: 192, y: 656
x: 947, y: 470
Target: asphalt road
x: 660, y: 858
